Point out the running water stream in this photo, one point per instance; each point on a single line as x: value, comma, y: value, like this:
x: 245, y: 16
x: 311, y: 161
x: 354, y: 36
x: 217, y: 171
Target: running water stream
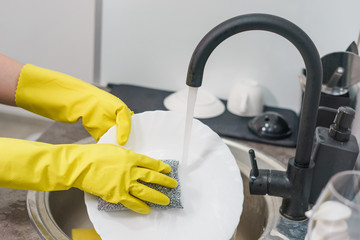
x: 188, y: 123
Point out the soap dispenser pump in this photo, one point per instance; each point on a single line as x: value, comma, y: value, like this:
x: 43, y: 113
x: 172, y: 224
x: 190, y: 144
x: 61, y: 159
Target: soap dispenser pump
x: 335, y: 149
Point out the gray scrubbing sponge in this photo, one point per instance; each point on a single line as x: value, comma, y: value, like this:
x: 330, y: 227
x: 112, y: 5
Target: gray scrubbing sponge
x: 173, y: 193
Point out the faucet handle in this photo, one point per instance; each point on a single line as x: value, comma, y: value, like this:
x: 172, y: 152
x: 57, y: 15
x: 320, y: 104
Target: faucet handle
x: 255, y: 170
x: 258, y: 180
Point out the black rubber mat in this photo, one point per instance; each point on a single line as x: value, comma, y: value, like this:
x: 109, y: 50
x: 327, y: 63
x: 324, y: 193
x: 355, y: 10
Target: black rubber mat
x: 141, y: 99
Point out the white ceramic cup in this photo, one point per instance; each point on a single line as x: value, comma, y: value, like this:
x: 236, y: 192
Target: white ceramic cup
x: 246, y: 99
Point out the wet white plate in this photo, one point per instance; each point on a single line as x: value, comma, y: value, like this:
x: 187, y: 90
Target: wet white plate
x: 211, y: 185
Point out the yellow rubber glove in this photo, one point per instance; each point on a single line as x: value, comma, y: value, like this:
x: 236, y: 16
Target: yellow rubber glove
x: 105, y: 170
x: 66, y: 99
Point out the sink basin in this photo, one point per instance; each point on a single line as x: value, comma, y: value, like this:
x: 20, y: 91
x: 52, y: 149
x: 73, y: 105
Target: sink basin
x: 260, y: 212
x: 55, y: 214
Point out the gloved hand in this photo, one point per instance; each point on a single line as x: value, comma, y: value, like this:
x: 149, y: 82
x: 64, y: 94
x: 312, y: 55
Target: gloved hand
x: 66, y: 99
x: 105, y: 170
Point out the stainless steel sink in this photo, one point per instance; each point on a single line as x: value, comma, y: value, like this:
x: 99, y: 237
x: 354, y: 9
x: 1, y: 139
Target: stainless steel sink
x: 55, y: 214
x: 260, y: 213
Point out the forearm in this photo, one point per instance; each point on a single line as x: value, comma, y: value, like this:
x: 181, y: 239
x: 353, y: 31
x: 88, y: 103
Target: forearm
x: 9, y: 75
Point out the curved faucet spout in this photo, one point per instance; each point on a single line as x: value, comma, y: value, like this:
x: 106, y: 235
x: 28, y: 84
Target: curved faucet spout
x: 296, y: 36
x: 294, y: 184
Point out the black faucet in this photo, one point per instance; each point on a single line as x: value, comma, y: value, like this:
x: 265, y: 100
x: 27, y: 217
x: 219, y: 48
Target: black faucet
x: 294, y: 184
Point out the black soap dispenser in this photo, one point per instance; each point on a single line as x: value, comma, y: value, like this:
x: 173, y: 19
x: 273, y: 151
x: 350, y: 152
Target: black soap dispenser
x: 335, y: 149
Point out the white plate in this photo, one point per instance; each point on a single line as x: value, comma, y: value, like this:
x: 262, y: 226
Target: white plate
x: 211, y: 185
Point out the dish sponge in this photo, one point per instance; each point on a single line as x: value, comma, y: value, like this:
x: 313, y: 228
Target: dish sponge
x: 84, y: 234
x: 174, y: 194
